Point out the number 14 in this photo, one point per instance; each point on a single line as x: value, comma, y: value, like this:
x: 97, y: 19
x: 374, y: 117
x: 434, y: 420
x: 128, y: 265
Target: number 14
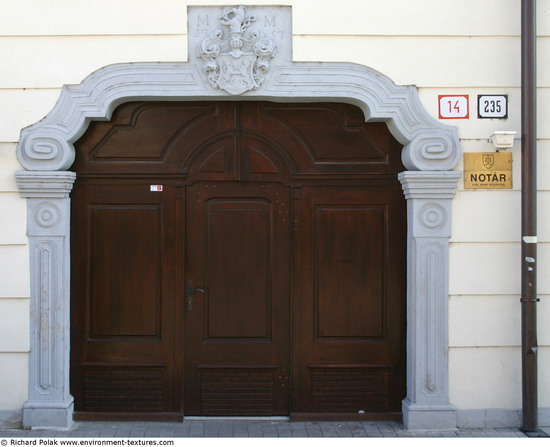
x: 453, y: 107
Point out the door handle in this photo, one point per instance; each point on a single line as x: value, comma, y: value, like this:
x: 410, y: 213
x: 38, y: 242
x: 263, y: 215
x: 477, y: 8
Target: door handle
x: 189, y: 292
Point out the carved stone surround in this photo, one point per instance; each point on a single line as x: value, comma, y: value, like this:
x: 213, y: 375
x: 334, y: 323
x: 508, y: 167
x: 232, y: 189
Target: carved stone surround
x: 431, y: 150
x: 428, y: 144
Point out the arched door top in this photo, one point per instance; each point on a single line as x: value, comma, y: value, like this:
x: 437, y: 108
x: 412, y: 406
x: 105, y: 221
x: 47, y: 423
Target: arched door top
x: 428, y: 145
x: 238, y: 140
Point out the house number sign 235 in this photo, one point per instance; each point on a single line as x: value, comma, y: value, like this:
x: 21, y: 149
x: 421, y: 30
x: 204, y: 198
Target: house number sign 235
x: 492, y: 106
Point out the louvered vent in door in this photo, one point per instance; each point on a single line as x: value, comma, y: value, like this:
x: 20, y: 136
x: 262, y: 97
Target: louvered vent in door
x: 123, y: 389
x: 237, y: 391
x: 350, y: 389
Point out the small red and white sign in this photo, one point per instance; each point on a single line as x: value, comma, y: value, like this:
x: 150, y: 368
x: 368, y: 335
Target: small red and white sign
x: 454, y: 107
x: 156, y: 188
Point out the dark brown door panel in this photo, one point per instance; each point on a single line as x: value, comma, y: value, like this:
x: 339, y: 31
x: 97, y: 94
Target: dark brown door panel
x: 237, y: 346
x: 123, y: 298
x: 350, y: 349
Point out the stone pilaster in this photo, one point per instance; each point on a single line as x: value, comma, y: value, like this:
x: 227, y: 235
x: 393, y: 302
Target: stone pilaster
x: 48, y: 223
x: 428, y: 195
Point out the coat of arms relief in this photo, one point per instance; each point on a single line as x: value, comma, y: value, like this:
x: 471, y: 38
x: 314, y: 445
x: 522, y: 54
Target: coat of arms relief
x: 237, y: 62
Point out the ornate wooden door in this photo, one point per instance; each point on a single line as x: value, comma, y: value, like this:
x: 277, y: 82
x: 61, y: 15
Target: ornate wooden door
x: 265, y: 277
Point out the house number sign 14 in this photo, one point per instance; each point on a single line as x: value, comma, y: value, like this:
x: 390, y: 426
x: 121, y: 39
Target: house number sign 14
x: 454, y: 107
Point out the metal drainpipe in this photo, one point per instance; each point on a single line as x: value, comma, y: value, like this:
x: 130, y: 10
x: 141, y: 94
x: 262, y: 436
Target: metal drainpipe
x: 529, y: 217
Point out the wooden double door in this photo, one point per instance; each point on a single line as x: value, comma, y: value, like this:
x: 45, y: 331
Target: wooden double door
x: 236, y: 289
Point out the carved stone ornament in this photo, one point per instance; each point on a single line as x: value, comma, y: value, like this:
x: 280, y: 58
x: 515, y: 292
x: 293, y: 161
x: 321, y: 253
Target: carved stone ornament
x: 237, y: 63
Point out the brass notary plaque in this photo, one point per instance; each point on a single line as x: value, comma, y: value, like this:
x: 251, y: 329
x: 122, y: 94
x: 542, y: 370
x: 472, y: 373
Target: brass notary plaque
x: 488, y: 170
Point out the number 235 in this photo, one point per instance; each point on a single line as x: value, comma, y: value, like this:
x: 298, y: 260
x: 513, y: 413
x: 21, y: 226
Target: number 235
x: 492, y: 106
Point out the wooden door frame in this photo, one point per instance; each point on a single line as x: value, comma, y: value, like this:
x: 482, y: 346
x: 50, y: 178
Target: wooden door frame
x: 431, y: 150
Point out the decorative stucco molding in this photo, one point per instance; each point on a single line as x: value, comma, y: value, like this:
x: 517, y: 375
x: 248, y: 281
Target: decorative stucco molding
x: 428, y: 197
x: 50, y: 403
x: 428, y: 144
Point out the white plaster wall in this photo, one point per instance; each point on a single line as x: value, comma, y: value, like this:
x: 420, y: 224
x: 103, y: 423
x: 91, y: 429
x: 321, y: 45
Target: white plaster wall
x: 14, y: 383
x: 14, y: 286
x: 441, y: 46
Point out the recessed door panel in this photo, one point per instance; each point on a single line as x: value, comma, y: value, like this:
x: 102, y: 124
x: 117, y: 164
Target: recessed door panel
x: 349, y: 271
x: 238, y: 268
x: 125, y: 270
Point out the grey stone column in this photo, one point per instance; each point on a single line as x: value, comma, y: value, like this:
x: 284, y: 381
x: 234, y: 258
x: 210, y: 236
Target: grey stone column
x: 428, y: 195
x: 48, y: 222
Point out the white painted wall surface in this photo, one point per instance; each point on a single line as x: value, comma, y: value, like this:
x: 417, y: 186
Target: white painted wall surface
x: 442, y: 46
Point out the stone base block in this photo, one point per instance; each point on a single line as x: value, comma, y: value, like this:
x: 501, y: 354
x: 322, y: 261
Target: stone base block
x: 427, y: 417
x: 51, y: 415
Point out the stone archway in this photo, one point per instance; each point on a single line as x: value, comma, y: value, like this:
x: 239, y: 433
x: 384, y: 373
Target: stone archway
x: 431, y: 151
